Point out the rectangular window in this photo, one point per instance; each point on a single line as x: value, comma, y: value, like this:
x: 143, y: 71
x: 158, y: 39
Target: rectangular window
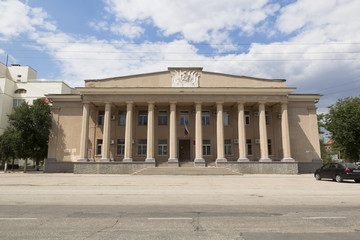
x: 162, y: 148
x: 120, y: 147
x: 248, y: 147
x: 267, y: 118
x: 143, y: 115
x: 205, y: 118
x: 206, y: 147
x: 227, y: 143
x: 17, y: 102
x: 142, y: 147
x: 184, y: 118
x: 226, y: 118
x: 99, y: 146
x: 162, y: 118
x: 101, y: 118
x: 269, y: 147
x: 247, y: 117
x: 122, y: 118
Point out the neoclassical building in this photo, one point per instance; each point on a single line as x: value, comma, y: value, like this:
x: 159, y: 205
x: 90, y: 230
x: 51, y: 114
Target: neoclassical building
x: 182, y: 115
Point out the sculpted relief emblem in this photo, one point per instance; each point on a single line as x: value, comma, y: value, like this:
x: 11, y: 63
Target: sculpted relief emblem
x: 185, y: 79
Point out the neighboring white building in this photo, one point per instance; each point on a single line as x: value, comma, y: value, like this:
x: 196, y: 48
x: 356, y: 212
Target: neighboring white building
x: 19, y: 84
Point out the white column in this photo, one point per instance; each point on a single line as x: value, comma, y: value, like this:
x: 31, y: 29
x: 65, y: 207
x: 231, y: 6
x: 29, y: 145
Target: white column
x: 84, y: 137
x: 285, y: 134
x: 220, y: 133
x: 128, y: 132
x: 172, y: 138
x: 263, y: 134
x: 106, y: 134
x: 198, y: 134
x: 150, y: 134
x: 241, y: 134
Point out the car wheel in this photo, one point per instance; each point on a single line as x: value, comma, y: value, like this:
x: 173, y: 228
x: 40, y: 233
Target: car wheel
x: 338, y: 178
x: 317, y: 176
x: 357, y: 180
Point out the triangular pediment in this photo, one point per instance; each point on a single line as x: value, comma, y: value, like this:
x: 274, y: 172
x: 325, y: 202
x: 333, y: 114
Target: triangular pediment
x: 185, y: 78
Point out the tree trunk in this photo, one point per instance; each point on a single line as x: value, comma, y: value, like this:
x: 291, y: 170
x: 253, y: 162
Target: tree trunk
x: 37, y: 162
x: 12, y: 164
x: 5, y: 166
x: 25, y: 165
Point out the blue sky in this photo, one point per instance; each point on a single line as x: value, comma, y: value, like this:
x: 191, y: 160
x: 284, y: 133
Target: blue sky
x: 314, y: 45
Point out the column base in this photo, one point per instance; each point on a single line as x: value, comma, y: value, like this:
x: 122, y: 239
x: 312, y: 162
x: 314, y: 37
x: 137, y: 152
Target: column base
x: 150, y: 160
x: 83, y: 160
x: 243, y: 160
x: 127, y: 160
x: 288, y: 160
x: 199, y: 160
x: 265, y: 160
x: 221, y: 160
x: 105, y: 160
x: 173, y: 160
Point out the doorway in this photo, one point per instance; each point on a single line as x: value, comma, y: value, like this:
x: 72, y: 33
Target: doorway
x: 184, y: 150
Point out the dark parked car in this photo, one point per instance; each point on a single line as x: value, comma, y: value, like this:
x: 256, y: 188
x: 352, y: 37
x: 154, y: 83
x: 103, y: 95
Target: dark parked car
x: 338, y: 172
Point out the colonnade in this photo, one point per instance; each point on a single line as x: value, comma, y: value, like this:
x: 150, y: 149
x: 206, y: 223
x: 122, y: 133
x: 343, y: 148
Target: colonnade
x: 173, y: 154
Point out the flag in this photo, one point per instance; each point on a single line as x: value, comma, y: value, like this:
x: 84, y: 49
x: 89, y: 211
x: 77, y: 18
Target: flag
x: 186, y: 130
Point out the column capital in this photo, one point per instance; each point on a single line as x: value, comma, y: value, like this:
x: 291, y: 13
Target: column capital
x: 129, y: 102
x: 219, y: 102
x: 151, y: 102
x: 240, y: 103
x: 172, y: 102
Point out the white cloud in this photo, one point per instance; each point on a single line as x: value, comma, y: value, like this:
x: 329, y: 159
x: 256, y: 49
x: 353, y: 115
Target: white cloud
x: 129, y: 30
x: 17, y: 18
x: 196, y: 20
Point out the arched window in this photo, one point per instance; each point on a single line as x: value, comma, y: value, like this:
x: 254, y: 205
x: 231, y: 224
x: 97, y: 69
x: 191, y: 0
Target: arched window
x: 20, y: 90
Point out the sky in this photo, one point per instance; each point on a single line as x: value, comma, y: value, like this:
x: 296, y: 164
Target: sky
x: 314, y: 45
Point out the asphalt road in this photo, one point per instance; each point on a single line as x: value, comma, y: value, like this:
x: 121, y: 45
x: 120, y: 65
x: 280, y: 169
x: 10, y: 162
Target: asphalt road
x: 249, y: 207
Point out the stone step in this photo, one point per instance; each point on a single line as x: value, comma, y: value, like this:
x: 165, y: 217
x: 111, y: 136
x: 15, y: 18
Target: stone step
x: 186, y: 171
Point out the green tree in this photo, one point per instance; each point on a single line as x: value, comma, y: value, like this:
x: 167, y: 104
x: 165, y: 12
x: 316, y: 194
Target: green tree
x: 8, y: 146
x: 32, y: 124
x: 343, y: 124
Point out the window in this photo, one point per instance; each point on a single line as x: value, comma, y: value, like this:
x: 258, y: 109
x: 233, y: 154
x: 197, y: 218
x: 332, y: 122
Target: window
x: 19, y: 76
x: 142, y: 147
x: 120, y: 147
x: 206, y: 147
x: 122, y: 118
x: 226, y: 118
x: 143, y: 115
x: 162, y: 118
x: 101, y: 118
x: 247, y: 117
x: 267, y: 118
x: 17, y: 102
x: 227, y: 143
x: 184, y: 117
x: 248, y: 147
x: 205, y: 118
x: 20, y: 91
x: 162, y: 148
x: 269, y: 147
x: 98, y: 146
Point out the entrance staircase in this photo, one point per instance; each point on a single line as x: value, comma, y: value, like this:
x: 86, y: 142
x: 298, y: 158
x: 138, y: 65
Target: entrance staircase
x: 186, y: 171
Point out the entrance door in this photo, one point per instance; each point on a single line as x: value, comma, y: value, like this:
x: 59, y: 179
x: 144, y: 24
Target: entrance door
x: 184, y: 150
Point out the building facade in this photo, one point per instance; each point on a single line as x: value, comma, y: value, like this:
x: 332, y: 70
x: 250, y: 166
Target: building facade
x: 19, y: 84
x: 184, y: 114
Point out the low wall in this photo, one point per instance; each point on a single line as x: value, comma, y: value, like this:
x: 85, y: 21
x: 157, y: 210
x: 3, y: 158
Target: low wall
x: 261, y: 167
x: 110, y: 167
x: 52, y: 166
x: 309, y: 167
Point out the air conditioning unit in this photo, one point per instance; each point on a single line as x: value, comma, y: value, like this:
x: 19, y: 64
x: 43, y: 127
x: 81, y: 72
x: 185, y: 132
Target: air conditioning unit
x: 236, y: 140
x: 112, y: 141
x: 256, y: 114
x: 257, y: 141
x: 279, y: 116
x: 112, y: 117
